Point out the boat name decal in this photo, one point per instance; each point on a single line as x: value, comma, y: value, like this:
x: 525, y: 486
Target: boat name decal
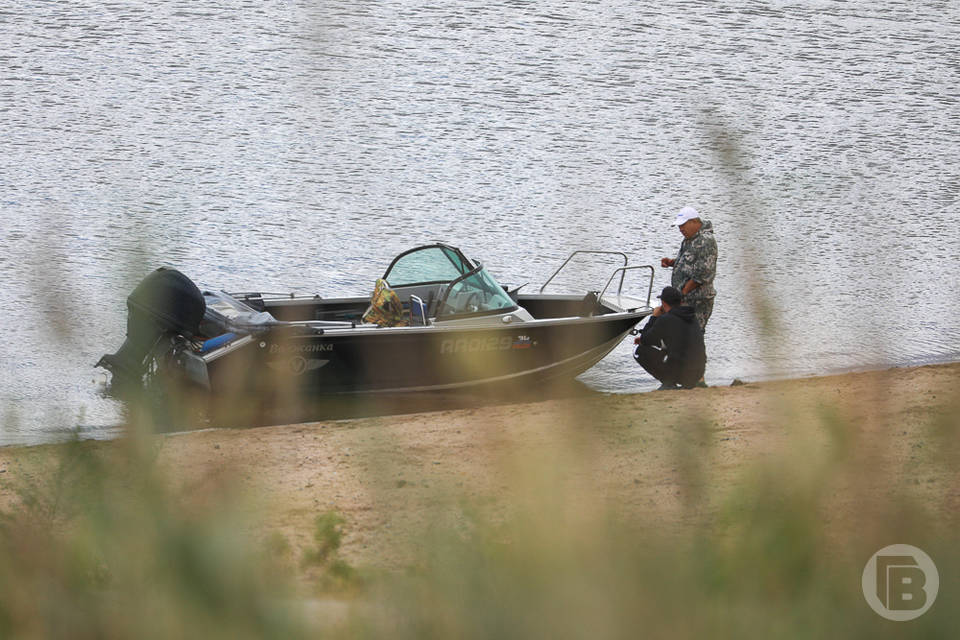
x: 483, y: 345
x: 300, y: 348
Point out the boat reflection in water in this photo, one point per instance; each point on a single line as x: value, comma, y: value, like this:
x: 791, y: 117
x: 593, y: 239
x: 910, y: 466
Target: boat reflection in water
x: 437, y: 322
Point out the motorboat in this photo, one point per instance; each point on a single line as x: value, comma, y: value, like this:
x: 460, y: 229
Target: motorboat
x: 437, y: 320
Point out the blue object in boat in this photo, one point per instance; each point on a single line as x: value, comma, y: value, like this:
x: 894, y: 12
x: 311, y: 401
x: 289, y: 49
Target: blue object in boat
x: 219, y: 341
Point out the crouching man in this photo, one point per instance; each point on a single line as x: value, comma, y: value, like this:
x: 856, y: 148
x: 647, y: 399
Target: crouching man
x: 670, y: 346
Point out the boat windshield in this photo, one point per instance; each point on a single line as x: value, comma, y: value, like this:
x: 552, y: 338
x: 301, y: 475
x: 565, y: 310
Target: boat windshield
x: 427, y: 265
x: 477, y: 292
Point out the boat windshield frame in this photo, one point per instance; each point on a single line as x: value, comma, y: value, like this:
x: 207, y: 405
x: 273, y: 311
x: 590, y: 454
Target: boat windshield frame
x: 447, y: 311
x: 454, y: 255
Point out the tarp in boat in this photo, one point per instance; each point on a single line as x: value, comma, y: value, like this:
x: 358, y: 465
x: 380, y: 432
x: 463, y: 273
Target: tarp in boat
x: 385, y: 308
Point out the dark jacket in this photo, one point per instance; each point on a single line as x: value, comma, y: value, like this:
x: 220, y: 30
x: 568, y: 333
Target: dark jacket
x: 677, y: 334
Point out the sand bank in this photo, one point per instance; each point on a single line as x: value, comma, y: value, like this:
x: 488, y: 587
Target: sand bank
x: 392, y: 477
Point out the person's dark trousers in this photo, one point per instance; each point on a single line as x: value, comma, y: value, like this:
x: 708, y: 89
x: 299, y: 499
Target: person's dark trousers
x: 652, y: 361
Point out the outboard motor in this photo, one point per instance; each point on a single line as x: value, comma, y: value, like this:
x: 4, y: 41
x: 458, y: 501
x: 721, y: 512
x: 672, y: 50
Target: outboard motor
x: 165, y: 302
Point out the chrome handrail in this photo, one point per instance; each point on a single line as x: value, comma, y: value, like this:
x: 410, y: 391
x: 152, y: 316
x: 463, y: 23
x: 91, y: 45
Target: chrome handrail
x: 565, y: 262
x: 622, y: 271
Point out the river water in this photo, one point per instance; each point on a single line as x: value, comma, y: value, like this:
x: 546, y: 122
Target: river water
x: 298, y: 145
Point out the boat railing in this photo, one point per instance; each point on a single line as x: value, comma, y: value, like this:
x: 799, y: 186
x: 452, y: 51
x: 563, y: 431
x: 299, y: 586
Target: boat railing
x: 319, y: 325
x: 271, y: 296
x: 622, y: 271
x: 586, y: 251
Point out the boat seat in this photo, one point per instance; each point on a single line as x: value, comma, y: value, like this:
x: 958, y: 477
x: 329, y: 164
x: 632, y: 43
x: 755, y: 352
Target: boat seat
x: 418, y: 312
x: 428, y: 293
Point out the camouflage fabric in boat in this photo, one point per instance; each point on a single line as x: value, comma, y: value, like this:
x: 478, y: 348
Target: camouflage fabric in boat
x: 385, y: 308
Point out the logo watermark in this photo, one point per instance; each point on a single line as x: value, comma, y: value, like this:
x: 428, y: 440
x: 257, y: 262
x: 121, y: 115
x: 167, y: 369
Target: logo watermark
x: 900, y: 582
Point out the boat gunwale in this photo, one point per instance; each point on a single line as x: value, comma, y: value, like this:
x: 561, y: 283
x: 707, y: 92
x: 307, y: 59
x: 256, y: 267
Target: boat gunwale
x: 374, y: 330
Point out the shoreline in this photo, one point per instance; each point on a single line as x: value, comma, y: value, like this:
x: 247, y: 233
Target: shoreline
x: 391, y: 477
x: 107, y: 433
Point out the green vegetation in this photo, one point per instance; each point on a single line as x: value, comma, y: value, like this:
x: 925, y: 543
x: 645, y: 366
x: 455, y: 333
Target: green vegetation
x: 763, y: 556
x: 336, y: 574
x: 101, y: 542
x: 101, y: 545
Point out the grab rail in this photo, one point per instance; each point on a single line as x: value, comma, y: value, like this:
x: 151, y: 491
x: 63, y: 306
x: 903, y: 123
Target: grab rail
x: 622, y: 271
x: 565, y: 262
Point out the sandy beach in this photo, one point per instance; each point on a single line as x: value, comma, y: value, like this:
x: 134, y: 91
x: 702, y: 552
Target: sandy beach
x: 392, y: 478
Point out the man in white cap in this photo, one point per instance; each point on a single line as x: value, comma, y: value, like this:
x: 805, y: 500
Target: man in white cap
x: 695, y: 265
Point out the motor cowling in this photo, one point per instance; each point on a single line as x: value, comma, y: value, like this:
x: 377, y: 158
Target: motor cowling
x: 166, y: 302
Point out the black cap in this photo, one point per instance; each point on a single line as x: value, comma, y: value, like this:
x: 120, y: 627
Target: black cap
x: 671, y: 295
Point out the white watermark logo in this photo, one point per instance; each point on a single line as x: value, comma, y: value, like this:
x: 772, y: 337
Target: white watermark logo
x: 900, y: 582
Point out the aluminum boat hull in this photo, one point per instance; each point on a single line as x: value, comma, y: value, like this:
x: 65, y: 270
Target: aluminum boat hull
x: 417, y: 358
x: 436, y: 321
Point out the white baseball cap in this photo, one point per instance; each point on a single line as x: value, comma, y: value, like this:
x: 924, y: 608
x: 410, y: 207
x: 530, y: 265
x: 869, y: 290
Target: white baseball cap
x: 686, y: 214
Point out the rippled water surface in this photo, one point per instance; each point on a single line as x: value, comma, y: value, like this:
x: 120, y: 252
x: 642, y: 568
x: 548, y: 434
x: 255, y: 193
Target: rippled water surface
x: 297, y: 146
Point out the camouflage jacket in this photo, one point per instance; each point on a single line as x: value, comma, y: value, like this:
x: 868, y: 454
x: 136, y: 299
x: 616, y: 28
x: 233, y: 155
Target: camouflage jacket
x: 697, y: 260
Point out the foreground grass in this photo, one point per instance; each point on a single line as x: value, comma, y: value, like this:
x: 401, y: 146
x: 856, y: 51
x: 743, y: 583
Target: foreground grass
x: 599, y: 518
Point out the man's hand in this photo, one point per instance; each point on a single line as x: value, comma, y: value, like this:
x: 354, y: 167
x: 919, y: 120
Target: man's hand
x: 658, y: 311
x: 666, y: 262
